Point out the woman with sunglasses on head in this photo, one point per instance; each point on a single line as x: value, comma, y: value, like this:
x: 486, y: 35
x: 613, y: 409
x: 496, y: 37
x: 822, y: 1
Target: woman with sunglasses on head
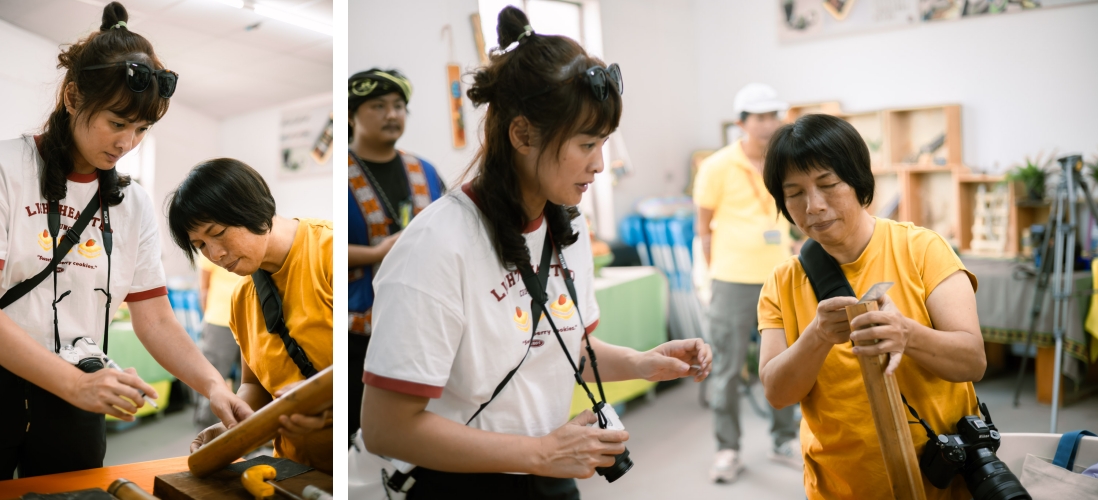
x: 454, y: 316
x: 76, y: 240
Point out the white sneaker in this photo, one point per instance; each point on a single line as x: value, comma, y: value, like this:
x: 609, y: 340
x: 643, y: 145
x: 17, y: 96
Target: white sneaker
x: 788, y: 454
x: 726, y: 467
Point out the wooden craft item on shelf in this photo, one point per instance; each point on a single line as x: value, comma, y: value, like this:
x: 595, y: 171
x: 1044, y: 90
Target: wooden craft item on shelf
x: 990, y: 222
x: 226, y: 485
x: 312, y: 396
x: 890, y: 419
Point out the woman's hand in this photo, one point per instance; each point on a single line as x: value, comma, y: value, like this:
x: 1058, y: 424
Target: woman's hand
x: 298, y: 425
x: 676, y: 359
x: 575, y: 449
x: 831, y: 321
x: 111, y: 392
x: 888, y: 327
x: 228, y: 406
x: 208, y: 434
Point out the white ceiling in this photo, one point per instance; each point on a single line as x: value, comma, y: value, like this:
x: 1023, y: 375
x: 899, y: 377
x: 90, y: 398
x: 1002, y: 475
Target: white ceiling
x: 224, y: 67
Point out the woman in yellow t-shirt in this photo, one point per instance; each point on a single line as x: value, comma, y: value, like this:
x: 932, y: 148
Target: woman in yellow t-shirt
x: 224, y: 210
x: 818, y: 172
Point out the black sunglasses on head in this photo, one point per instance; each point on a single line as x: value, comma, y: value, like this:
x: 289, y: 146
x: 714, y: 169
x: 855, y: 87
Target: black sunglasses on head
x: 599, y: 79
x: 140, y: 75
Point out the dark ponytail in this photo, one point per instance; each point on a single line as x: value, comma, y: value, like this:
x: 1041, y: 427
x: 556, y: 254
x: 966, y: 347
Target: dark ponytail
x: 536, y: 63
x: 96, y: 91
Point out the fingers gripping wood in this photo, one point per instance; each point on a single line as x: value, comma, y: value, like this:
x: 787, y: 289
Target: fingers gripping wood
x: 312, y: 396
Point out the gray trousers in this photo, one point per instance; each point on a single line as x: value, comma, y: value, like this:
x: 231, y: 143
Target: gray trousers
x: 219, y: 347
x: 733, y: 317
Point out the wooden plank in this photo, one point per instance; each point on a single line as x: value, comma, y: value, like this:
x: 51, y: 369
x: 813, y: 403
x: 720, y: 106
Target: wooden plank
x: 141, y: 474
x: 890, y: 419
x: 313, y: 395
x: 225, y: 485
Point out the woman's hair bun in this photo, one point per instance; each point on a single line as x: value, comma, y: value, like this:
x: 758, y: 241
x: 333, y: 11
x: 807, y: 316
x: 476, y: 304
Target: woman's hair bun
x: 512, y: 22
x: 112, y: 14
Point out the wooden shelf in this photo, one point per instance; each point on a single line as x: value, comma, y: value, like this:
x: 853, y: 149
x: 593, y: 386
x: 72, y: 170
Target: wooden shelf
x: 798, y: 110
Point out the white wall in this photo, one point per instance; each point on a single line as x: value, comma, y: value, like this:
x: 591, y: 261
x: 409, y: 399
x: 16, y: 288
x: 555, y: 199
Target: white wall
x: 1026, y: 81
x: 254, y: 138
x: 653, y: 42
x: 28, y: 80
x: 184, y: 137
x: 406, y: 35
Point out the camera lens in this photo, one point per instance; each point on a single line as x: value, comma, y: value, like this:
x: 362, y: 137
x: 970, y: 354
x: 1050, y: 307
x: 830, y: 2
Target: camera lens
x: 90, y: 365
x: 988, y: 478
x: 622, y: 464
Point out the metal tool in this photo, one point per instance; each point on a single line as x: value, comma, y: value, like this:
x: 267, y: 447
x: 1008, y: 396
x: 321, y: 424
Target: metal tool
x: 876, y: 292
x: 255, y: 480
x: 113, y: 365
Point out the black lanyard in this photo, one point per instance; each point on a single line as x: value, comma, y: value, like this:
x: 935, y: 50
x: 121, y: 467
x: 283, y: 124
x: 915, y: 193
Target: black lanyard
x: 54, y: 220
x: 537, y: 285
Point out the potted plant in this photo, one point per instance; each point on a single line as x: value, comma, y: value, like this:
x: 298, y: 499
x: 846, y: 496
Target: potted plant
x: 1032, y: 175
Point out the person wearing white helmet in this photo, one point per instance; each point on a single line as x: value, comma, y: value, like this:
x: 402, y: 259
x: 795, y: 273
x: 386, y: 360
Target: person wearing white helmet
x: 742, y: 239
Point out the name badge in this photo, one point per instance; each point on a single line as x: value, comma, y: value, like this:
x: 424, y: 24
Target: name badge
x: 773, y: 237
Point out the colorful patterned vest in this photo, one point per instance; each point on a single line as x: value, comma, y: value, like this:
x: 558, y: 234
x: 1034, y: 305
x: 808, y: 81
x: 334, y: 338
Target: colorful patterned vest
x: 377, y: 221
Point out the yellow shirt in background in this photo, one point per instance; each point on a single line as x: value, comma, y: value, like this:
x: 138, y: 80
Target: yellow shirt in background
x: 743, y: 212
x: 219, y: 294
x: 842, y: 454
x: 305, y: 285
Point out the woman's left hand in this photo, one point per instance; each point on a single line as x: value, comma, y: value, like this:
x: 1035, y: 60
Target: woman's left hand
x: 298, y: 425
x: 676, y: 359
x: 888, y: 326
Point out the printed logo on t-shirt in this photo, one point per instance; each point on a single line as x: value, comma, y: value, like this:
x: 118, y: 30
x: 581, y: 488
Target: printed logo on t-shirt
x: 522, y: 319
x: 90, y: 249
x: 563, y: 307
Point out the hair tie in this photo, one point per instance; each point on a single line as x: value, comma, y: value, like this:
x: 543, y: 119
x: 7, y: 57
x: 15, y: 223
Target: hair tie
x: 529, y: 31
x: 121, y: 24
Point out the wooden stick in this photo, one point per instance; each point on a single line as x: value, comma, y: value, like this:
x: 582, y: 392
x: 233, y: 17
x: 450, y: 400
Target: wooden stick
x: 126, y: 490
x: 312, y: 396
x: 890, y: 419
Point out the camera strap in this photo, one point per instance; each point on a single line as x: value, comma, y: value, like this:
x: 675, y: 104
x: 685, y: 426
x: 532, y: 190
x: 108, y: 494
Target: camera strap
x: 827, y: 280
x: 536, y: 286
x: 271, y: 305
x: 60, y: 250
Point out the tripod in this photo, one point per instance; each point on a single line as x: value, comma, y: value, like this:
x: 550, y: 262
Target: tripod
x: 1057, y: 264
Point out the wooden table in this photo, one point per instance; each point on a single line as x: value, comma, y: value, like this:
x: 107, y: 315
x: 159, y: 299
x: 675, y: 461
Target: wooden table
x: 141, y: 474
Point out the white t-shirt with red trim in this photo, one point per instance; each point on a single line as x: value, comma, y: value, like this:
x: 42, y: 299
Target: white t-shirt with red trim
x: 450, y: 322
x: 25, y: 249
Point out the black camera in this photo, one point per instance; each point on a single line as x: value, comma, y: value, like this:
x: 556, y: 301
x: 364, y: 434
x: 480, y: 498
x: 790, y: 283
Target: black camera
x: 608, y: 419
x: 971, y: 453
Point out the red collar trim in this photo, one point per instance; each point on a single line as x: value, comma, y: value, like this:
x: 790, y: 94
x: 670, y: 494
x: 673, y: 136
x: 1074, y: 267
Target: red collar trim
x: 83, y: 178
x: 532, y: 226
x: 75, y: 177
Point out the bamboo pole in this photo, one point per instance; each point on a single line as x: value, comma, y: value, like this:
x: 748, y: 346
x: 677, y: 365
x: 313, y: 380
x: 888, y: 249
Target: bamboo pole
x: 890, y: 418
x: 312, y: 396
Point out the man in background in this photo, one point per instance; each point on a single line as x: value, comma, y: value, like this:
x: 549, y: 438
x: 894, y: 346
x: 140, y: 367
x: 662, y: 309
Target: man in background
x: 742, y: 238
x: 215, y: 293
x: 386, y: 188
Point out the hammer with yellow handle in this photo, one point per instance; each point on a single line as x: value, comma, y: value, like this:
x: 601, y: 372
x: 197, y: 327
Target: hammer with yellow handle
x: 255, y: 480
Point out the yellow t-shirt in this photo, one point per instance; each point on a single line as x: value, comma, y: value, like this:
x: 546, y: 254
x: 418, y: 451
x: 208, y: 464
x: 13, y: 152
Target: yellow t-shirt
x: 842, y: 453
x: 219, y: 294
x: 305, y: 285
x: 743, y: 212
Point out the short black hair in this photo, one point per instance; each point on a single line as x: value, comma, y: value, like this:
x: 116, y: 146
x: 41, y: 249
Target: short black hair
x: 818, y: 141
x: 222, y: 191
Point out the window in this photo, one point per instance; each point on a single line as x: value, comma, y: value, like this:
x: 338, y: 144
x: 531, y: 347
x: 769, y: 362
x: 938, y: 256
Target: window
x: 548, y: 17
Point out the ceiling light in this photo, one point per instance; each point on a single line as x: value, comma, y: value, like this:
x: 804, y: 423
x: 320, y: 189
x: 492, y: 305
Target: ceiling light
x: 233, y: 3
x: 293, y: 19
